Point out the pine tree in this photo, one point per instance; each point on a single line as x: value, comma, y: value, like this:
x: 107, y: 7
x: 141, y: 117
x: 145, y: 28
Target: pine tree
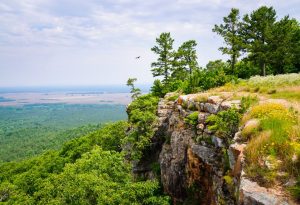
x: 230, y: 32
x: 285, y: 46
x: 164, y: 50
x: 257, y: 32
x: 185, y: 60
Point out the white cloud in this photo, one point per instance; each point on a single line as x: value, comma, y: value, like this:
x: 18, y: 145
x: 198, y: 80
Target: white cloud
x: 122, y: 27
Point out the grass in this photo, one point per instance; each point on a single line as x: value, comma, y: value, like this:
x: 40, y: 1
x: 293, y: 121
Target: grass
x: 273, y: 151
x: 173, y: 97
x: 280, y: 86
x: 286, y: 94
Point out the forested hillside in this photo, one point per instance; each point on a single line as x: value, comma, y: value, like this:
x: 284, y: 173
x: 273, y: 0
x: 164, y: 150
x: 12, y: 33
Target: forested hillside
x: 29, y: 130
x: 87, y: 170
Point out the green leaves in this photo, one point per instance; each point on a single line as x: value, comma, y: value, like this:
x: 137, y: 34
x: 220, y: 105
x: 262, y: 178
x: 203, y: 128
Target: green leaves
x: 230, y: 31
x: 164, y: 49
x: 136, y: 92
x: 192, y: 118
x: 225, y: 123
x: 88, y: 170
x: 142, y: 118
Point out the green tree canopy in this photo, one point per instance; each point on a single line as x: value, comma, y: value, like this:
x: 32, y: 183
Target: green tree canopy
x: 185, y: 60
x: 230, y: 32
x: 257, y: 32
x: 164, y: 50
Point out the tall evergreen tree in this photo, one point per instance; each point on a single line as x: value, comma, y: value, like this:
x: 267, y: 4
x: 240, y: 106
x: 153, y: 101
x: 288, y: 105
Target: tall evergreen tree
x: 185, y: 60
x: 164, y: 50
x: 256, y: 32
x: 230, y: 32
x: 285, y: 46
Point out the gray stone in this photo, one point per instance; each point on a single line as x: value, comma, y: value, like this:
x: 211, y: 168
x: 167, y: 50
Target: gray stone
x: 229, y: 104
x: 211, y: 108
x: 253, y: 194
x: 204, y: 153
x: 218, y: 142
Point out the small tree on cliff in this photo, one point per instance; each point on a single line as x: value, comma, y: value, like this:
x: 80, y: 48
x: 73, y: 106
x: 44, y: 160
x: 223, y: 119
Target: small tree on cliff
x: 164, y: 50
x: 136, y: 92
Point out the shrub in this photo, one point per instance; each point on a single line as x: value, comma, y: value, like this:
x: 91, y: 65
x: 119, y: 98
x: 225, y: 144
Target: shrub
x: 192, y: 118
x: 158, y: 89
x: 224, y: 123
x: 247, y: 102
x: 142, y: 119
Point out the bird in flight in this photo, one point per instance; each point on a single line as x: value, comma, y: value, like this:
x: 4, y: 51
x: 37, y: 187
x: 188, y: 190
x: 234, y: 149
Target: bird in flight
x: 138, y: 57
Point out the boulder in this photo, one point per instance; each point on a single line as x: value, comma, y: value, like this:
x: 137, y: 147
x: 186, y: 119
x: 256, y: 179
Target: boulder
x: 229, y: 104
x: 253, y: 194
x: 211, y: 108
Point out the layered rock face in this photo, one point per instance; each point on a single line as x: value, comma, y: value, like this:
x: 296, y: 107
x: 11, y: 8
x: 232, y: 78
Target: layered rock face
x: 192, y: 161
x: 196, y: 165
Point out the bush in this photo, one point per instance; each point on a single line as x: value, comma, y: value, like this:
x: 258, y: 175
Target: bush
x: 142, y: 119
x: 247, y: 102
x: 225, y: 123
x: 158, y: 89
x: 192, y: 118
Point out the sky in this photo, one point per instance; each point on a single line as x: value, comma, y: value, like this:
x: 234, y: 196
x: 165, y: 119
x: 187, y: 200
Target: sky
x: 95, y: 42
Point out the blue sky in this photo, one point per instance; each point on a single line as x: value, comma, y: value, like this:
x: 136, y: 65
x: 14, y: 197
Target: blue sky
x: 95, y: 42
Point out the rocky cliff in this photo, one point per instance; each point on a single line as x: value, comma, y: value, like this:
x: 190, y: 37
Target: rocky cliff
x: 196, y: 165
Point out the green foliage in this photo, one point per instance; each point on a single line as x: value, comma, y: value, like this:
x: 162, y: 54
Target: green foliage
x: 136, y: 92
x: 185, y: 61
x: 158, y: 89
x: 230, y: 31
x: 208, y: 78
x: 228, y: 179
x: 270, y: 46
x: 142, y: 118
x: 164, y: 50
x: 192, y: 118
x: 285, y: 45
x: 247, y: 102
x: 256, y: 31
x: 99, y: 175
x: 245, y: 69
x: 33, y: 129
x: 225, y: 123
x: 173, y: 97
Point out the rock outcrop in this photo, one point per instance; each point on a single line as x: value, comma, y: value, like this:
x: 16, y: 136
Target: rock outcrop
x: 196, y: 166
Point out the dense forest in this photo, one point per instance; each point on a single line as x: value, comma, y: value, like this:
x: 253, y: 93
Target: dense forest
x: 32, y: 129
x: 96, y: 168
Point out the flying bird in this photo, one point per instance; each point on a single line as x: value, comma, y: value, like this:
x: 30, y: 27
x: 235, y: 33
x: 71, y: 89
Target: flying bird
x: 138, y: 57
